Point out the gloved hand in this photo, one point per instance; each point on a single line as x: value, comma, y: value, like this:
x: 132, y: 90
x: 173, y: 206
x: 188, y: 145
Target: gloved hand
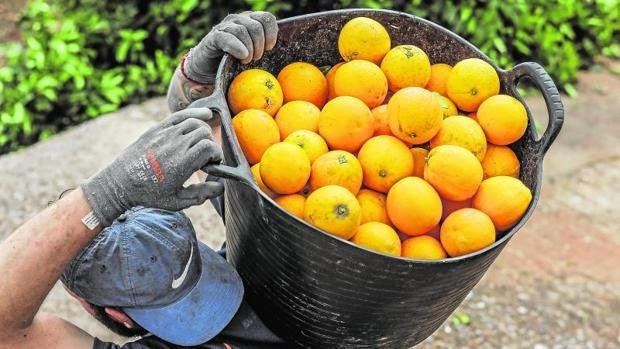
x: 151, y: 171
x: 244, y: 36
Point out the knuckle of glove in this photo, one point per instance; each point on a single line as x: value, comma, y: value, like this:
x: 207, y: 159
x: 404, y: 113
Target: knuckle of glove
x: 236, y: 29
x: 211, y: 148
x: 192, y: 124
x: 264, y: 17
x: 204, y: 132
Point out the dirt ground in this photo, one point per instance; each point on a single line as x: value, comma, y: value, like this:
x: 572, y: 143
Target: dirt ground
x: 10, y: 12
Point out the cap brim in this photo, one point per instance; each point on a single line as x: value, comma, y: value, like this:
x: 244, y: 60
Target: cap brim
x: 203, y: 312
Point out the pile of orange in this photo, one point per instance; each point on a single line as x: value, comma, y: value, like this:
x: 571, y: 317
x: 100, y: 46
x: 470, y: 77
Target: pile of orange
x: 389, y: 150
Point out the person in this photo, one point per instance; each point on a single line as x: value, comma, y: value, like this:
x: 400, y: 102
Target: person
x: 147, y: 275
x: 150, y: 172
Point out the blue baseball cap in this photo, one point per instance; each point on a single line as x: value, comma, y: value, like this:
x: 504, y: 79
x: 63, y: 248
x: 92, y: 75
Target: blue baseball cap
x: 150, y: 264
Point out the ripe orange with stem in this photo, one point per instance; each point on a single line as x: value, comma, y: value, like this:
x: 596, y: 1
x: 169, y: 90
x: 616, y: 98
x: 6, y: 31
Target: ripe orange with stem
x: 385, y: 160
x: 255, y: 89
x: 414, y: 115
x: 365, y: 39
x: 406, y: 66
x: 470, y: 82
x: 337, y: 167
x: 333, y: 209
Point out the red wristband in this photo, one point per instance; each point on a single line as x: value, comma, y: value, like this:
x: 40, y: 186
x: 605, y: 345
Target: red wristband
x: 182, y: 68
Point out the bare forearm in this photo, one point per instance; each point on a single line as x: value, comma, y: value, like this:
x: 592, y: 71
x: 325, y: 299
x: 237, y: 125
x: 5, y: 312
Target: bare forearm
x: 182, y: 91
x: 34, y: 256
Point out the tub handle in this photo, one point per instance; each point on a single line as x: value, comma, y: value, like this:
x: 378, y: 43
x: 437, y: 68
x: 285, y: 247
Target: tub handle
x: 241, y: 171
x: 550, y: 93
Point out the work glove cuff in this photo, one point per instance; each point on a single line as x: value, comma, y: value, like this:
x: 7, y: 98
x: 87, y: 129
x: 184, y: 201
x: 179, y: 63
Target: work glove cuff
x: 105, y: 197
x: 201, y: 67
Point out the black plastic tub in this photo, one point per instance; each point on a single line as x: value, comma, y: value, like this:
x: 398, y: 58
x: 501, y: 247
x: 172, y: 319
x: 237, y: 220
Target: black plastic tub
x: 317, y: 290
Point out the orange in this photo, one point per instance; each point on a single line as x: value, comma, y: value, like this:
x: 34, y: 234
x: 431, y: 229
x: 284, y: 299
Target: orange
x: 363, y: 38
x: 337, y: 167
x: 255, y: 89
x: 503, y: 119
x: 414, y: 115
x: 256, y: 131
x: 302, y: 81
x: 439, y: 76
x: 378, y: 237
x: 470, y: 82
x: 293, y: 203
x: 330, y: 80
x: 500, y: 160
x: 297, y: 115
x: 448, y: 108
x: 285, y: 168
x: 333, y: 209
x: 363, y: 80
x: 406, y: 66
x: 419, y: 160
x: 346, y: 123
x: 313, y: 144
x: 453, y: 171
x: 413, y: 206
x: 450, y: 206
x: 256, y: 174
x: 423, y: 247
x: 373, y: 206
x: 381, y: 124
x: 385, y: 160
x: 466, y: 231
x: 505, y: 199
x: 462, y: 131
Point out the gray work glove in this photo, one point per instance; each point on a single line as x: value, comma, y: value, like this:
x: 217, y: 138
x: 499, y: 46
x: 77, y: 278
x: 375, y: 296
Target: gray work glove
x: 245, y: 36
x: 151, y: 171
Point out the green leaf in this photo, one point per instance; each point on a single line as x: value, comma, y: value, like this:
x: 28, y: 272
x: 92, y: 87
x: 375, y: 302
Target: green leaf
x: 188, y: 5
x: 79, y: 82
x: 49, y: 94
x: 122, y: 50
x: 499, y: 45
x: 19, y: 113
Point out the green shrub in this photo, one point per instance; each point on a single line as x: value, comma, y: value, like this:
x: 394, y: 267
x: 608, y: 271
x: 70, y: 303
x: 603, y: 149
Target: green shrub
x: 82, y: 58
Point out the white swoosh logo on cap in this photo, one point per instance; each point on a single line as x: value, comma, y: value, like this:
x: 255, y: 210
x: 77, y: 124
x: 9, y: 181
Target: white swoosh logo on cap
x: 178, y: 282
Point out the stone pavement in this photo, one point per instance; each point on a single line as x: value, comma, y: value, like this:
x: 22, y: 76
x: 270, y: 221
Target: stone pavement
x: 554, y: 286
